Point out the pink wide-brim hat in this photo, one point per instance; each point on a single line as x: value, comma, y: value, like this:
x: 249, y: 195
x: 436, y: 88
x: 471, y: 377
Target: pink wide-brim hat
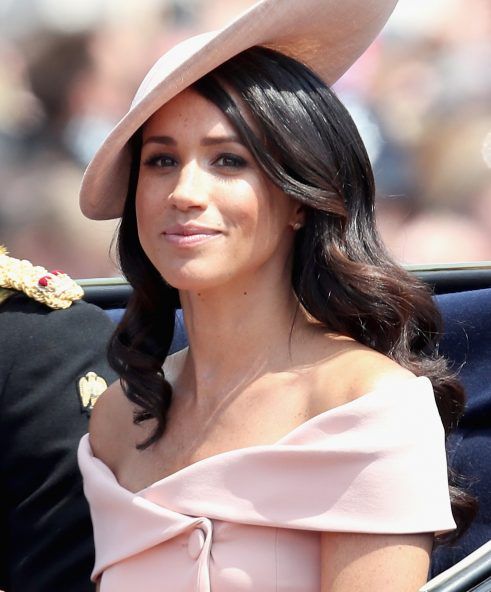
x: 326, y: 35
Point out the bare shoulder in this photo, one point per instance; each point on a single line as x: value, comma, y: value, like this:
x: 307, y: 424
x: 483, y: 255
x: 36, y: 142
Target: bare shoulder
x: 355, y: 370
x: 111, y: 425
x: 373, y: 370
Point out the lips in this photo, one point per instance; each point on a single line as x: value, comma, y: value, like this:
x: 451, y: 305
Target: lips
x: 189, y: 234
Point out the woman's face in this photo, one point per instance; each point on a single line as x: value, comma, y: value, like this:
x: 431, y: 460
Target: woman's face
x: 207, y: 215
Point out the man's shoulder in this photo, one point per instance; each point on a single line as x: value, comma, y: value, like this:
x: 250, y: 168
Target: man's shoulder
x: 45, y: 351
x: 23, y: 320
x: 35, y: 299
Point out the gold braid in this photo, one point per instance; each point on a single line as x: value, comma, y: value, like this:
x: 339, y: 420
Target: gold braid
x: 55, y: 288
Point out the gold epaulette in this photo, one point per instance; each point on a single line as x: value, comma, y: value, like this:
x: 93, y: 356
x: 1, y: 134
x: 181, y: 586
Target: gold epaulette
x: 53, y: 288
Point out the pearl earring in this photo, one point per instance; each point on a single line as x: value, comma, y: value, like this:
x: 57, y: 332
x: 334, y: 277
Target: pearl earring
x: 296, y: 226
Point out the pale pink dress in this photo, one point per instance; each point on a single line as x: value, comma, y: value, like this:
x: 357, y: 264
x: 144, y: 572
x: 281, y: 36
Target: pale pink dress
x: 250, y: 519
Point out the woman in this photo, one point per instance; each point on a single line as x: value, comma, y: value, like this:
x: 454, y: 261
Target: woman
x: 296, y: 444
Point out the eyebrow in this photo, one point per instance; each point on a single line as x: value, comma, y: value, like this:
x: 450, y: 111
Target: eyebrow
x: 166, y: 140
x: 220, y: 140
x: 169, y: 141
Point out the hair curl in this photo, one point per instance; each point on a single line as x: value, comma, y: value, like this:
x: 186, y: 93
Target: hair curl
x: 342, y: 274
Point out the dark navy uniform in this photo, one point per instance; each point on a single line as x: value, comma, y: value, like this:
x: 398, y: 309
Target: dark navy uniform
x: 52, y: 368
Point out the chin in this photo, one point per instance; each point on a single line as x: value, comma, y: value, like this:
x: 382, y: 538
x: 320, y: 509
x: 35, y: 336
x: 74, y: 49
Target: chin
x: 192, y: 282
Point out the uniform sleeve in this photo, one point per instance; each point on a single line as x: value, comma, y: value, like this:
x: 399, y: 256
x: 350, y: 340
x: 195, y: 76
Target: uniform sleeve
x: 46, y: 533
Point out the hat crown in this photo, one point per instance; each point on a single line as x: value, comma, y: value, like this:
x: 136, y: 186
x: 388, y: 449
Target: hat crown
x: 326, y: 35
x: 171, y: 60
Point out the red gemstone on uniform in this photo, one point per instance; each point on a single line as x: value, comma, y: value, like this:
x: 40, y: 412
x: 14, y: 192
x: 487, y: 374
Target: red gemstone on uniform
x: 44, y: 281
x: 57, y: 272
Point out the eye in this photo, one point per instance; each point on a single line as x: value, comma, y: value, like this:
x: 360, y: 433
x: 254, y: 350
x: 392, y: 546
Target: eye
x: 230, y: 161
x: 160, y: 161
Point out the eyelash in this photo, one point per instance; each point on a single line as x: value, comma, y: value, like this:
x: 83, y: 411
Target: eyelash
x: 238, y: 161
x: 155, y: 161
x: 234, y: 161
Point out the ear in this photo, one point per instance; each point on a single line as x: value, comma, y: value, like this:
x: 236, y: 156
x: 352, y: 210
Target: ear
x: 298, y: 216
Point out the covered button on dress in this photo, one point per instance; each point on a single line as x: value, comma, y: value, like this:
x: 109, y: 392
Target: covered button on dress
x: 251, y: 519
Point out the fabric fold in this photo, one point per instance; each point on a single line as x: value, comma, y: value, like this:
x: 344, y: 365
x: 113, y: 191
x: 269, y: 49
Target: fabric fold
x: 375, y: 465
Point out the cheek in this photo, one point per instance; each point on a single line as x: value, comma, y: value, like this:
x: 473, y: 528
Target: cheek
x: 142, y: 216
x: 143, y: 197
x: 267, y: 215
x: 149, y: 201
x: 245, y: 216
x: 261, y: 227
x: 234, y: 205
x: 147, y: 212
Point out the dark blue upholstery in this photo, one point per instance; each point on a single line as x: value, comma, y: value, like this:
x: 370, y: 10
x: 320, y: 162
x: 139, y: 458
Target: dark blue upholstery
x: 180, y: 340
x: 467, y: 344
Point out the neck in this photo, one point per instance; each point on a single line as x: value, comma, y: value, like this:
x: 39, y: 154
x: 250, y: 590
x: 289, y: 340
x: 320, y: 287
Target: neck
x: 238, y: 333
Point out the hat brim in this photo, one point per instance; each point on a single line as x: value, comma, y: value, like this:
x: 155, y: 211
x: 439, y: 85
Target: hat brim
x: 326, y: 35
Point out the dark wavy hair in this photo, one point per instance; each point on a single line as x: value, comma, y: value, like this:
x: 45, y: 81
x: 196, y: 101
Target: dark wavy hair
x: 342, y: 275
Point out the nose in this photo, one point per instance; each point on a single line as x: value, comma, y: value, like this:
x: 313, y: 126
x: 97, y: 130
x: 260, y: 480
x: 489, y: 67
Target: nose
x: 190, y: 190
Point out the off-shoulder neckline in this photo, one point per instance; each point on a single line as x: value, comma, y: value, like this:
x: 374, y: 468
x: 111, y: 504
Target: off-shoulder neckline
x: 362, y: 399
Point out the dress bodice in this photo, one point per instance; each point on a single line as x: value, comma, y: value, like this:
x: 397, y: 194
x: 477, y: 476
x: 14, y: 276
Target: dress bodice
x: 250, y: 519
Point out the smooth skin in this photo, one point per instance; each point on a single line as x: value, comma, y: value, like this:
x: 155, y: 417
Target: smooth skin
x: 218, y: 230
